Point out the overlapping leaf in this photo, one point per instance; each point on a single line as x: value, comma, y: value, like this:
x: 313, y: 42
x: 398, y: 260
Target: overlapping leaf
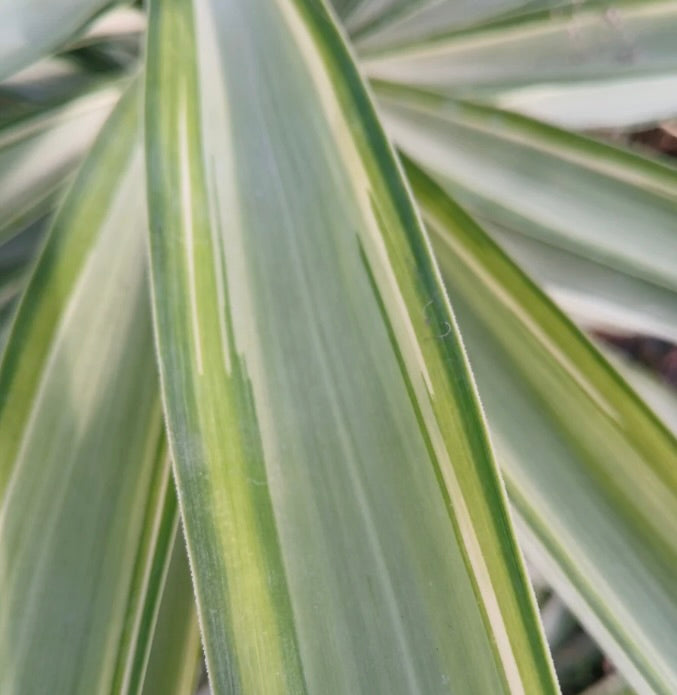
x: 585, y: 65
x: 568, y: 208
x: 590, y: 470
x: 341, y: 503
x: 586, y: 42
x: 345, y: 521
x: 87, y: 514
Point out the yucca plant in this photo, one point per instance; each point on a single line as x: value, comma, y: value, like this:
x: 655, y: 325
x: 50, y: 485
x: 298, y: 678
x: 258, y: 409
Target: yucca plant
x: 226, y: 228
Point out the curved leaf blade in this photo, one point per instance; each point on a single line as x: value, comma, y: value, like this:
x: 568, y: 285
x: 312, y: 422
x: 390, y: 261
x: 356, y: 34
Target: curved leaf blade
x: 87, y: 514
x: 341, y: 505
x: 589, y: 468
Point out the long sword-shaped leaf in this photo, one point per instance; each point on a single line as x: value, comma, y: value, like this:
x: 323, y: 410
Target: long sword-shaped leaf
x: 32, y: 29
x: 345, y: 521
x: 591, y: 471
x: 632, y: 38
x: 618, y: 99
x: 529, y: 179
x: 86, y: 516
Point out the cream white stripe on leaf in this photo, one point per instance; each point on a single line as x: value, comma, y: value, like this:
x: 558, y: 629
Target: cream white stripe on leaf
x: 345, y: 521
x: 186, y: 205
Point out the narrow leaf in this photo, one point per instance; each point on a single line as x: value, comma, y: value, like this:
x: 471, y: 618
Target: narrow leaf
x: 590, y: 470
x: 87, y: 514
x: 345, y: 521
x: 592, y: 42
